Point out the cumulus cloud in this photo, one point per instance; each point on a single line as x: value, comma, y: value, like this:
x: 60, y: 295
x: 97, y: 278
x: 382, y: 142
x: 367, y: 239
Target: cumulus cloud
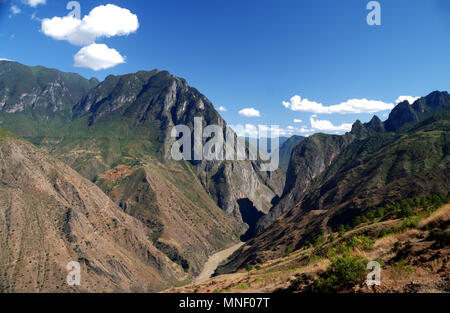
x: 103, y: 21
x: 324, y: 125
x: 34, y: 3
x: 410, y: 99
x: 3, y: 59
x: 352, y: 106
x: 297, y: 121
x: 98, y: 57
x: 222, y: 109
x: 250, y: 112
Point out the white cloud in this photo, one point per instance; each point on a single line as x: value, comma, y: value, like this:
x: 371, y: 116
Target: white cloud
x: 250, y: 112
x: 34, y: 3
x: 98, y: 57
x: 103, y: 21
x: 3, y: 59
x: 15, y: 10
x: 352, y: 106
x: 222, y: 109
x: 410, y: 99
x: 324, y: 125
x: 297, y: 121
x: 250, y: 130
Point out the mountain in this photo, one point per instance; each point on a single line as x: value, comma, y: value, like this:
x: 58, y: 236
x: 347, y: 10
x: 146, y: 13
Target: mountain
x: 147, y: 105
x: 308, y: 160
x: 50, y: 216
x: 117, y: 134
x: 286, y: 148
x: 405, y: 112
x: 40, y: 98
x: 347, y: 176
x: 312, y: 156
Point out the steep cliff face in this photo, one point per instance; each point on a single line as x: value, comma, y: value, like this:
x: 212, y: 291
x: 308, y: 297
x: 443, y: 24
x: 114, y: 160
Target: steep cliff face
x: 50, y: 216
x: 286, y: 149
x: 309, y: 159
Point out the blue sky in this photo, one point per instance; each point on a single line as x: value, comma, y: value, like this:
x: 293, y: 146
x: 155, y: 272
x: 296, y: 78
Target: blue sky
x: 258, y: 53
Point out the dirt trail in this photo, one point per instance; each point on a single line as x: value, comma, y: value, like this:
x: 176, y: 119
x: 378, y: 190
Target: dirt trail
x: 214, y: 261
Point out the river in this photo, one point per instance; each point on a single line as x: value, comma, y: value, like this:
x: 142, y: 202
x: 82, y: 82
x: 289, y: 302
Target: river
x: 214, y: 261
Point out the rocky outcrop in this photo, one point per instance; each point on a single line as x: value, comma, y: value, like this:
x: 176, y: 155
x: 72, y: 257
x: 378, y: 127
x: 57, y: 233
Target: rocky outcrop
x: 286, y: 150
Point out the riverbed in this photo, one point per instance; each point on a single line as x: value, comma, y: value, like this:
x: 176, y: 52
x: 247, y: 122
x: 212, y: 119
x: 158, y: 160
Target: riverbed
x: 214, y: 261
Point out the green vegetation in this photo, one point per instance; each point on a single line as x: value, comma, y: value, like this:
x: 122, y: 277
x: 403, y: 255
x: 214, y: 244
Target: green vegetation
x: 344, y: 272
x: 288, y: 251
x: 5, y: 134
x: 411, y: 210
x: 356, y: 242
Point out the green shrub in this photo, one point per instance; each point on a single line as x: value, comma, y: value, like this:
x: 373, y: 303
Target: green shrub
x: 339, y: 249
x: 410, y: 222
x: 331, y: 238
x: 288, y: 250
x: 341, y: 230
x: 406, y: 210
x: 361, y: 242
x: 380, y: 212
x: 357, y: 221
x: 318, y: 241
x: 343, y: 273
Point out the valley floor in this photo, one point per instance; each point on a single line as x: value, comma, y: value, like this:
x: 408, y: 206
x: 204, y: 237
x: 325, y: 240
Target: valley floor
x: 214, y: 261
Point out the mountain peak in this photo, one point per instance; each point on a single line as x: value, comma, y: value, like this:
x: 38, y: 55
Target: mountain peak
x: 376, y: 124
x: 405, y: 113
